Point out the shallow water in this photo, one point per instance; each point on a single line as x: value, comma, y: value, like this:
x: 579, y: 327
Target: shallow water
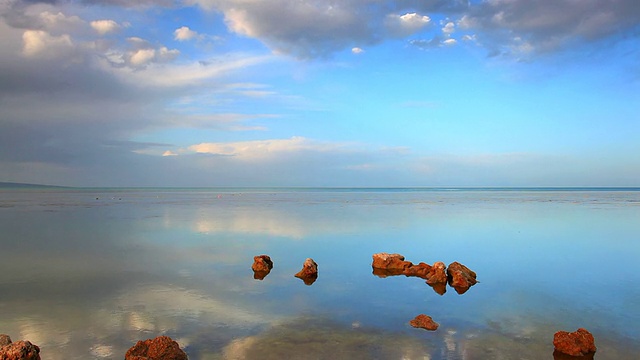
x: 86, y: 273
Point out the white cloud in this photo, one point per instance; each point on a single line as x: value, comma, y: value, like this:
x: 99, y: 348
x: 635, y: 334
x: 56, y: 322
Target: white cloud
x: 40, y: 43
x: 103, y: 27
x: 59, y: 22
x: 164, y: 54
x: 169, y: 153
x: 407, y: 24
x: 194, y: 73
x: 471, y: 38
x: 138, y: 43
x: 264, y: 149
x: 449, y: 28
x: 142, y: 56
x: 357, y: 50
x: 449, y: 42
x: 184, y: 34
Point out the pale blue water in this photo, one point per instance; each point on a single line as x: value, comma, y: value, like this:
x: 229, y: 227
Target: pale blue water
x: 87, y: 272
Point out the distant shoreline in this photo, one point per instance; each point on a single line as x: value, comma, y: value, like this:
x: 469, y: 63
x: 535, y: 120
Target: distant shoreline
x: 14, y: 185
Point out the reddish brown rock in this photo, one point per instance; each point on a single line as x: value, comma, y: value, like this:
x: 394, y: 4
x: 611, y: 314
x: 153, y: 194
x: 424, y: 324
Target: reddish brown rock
x: 19, y: 350
x: 309, y: 272
x: 460, y: 277
x: 390, y: 262
x: 4, y: 340
x: 261, y: 267
x: 421, y: 270
x: 437, y: 274
x: 160, y: 348
x: 425, y: 322
x: 577, y: 343
x: 262, y: 263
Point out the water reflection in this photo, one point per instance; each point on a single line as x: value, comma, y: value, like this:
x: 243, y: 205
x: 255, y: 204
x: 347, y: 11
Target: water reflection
x: 91, y: 277
x: 320, y: 338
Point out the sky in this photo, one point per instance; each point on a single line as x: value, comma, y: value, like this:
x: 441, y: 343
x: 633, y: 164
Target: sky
x: 320, y: 92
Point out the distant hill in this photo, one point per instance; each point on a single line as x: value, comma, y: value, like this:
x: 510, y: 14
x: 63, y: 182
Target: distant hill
x: 12, y: 185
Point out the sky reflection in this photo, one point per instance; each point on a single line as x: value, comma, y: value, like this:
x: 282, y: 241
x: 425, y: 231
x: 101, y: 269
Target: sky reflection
x: 95, y: 276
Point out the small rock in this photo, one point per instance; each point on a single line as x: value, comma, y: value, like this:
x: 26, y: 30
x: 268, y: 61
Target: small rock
x: 4, y: 340
x: 19, y: 350
x: 460, y: 277
x: 309, y: 272
x: 577, y: 343
x: 160, y: 348
x: 262, y: 263
x: 261, y: 267
x: 425, y: 322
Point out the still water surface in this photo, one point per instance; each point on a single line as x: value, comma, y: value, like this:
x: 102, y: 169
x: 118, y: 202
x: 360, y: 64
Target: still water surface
x: 86, y: 273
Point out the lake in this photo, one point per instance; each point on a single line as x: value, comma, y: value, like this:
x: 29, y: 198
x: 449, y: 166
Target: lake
x: 88, y: 272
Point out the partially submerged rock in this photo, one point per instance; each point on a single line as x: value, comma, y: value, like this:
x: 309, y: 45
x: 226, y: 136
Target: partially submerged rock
x: 19, y: 350
x: 421, y: 270
x: 309, y: 272
x: 160, y: 348
x: 457, y: 275
x: 385, y: 264
x: 425, y: 322
x: 437, y: 274
x: 437, y: 277
x: 262, y: 263
x: 460, y: 277
x: 390, y: 262
x: 577, y: 343
x: 261, y: 267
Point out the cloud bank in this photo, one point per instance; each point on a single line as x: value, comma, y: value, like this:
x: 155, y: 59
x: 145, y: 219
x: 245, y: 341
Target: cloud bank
x: 83, y: 84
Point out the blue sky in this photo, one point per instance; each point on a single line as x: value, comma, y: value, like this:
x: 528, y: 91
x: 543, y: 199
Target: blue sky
x: 320, y: 93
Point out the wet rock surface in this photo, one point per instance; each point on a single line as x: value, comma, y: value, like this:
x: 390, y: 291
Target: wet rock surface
x: 577, y: 343
x: 309, y: 272
x: 393, y: 263
x: 19, y: 350
x: 460, y: 277
x: 424, y: 322
x: 262, y: 266
x: 262, y: 263
x: 160, y: 348
x: 437, y: 274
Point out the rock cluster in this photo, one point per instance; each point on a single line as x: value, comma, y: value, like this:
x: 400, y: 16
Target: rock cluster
x: 262, y: 265
x: 458, y: 276
x: 19, y: 350
x: 160, y: 348
x: 425, y: 322
x: 577, y: 343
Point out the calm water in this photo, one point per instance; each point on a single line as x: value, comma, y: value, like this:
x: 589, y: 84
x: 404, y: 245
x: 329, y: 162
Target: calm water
x: 86, y: 273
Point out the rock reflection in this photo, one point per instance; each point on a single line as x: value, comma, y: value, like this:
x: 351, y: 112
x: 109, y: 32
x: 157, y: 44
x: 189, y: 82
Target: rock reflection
x: 557, y: 355
x: 439, y: 288
x: 260, y: 275
x: 314, y: 338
